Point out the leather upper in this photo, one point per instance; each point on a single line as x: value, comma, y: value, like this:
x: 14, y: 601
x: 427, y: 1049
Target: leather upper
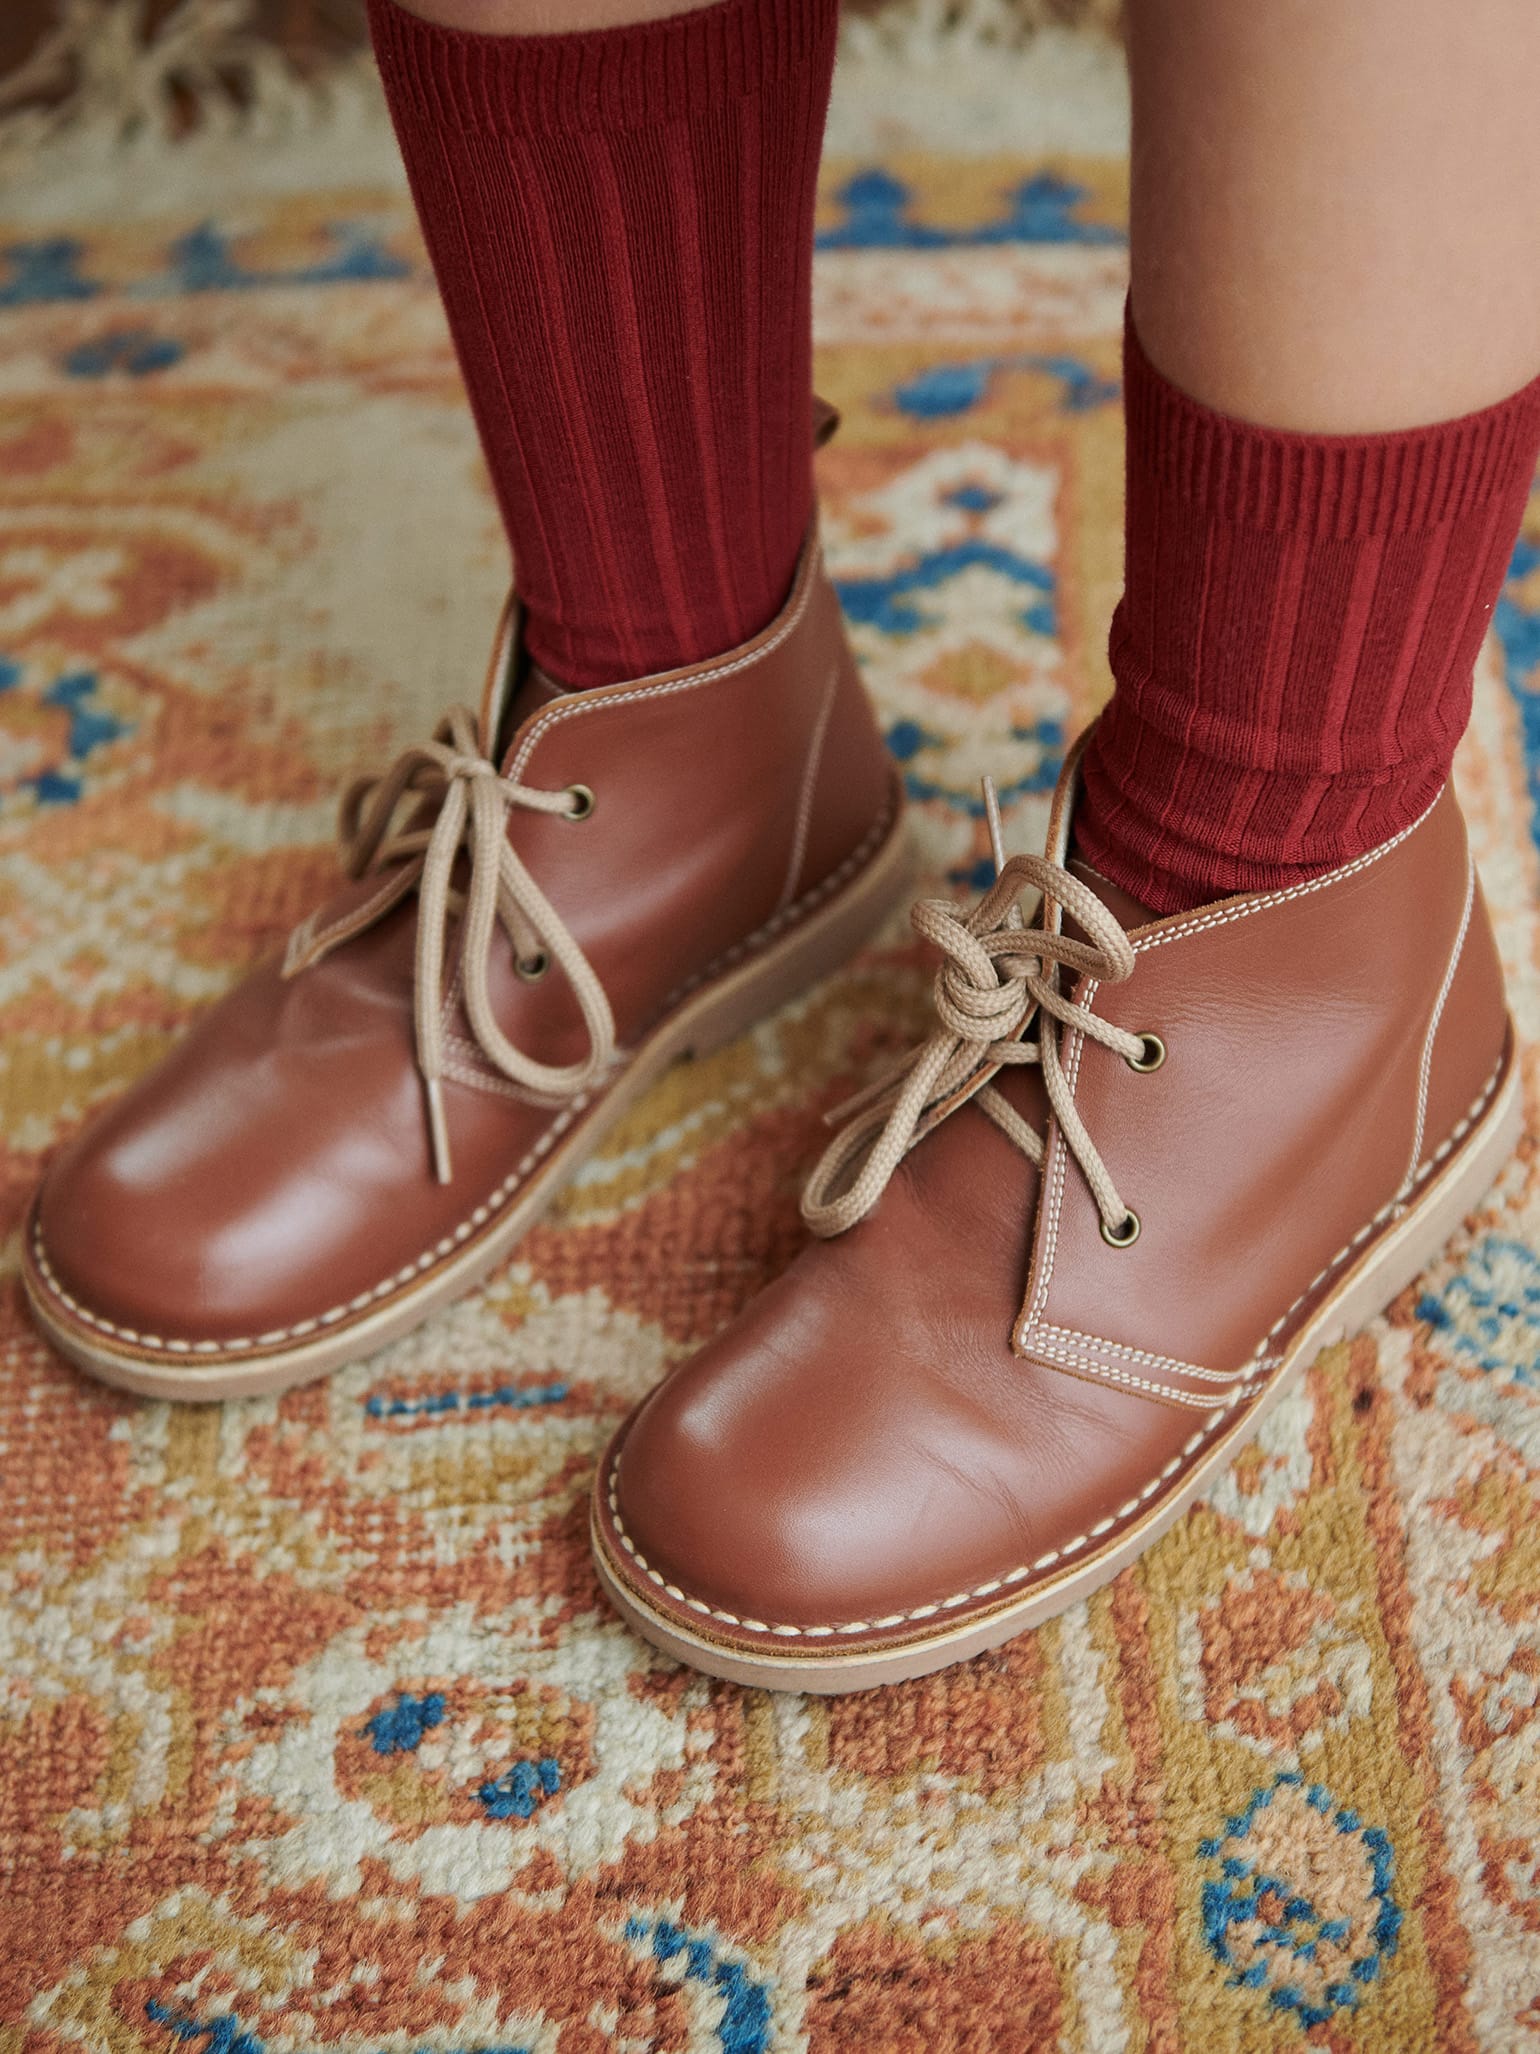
x: 862, y: 1440
x: 1285, y: 1115
x: 968, y: 1388
x: 275, y: 1167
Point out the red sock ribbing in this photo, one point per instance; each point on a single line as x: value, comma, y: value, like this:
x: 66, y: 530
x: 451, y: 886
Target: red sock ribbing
x: 621, y: 223
x: 1294, y: 646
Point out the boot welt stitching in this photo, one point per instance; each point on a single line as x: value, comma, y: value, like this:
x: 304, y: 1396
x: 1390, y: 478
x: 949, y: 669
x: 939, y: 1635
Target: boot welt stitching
x: 1103, y: 1526
x: 483, y: 1212
x: 926, y: 1611
x: 1396, y: 1204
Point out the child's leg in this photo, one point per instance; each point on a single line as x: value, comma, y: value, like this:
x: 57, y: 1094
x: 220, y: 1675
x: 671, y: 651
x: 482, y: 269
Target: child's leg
x: 1333, y: 207
x: 1333, y: 256
x: 621, y: 224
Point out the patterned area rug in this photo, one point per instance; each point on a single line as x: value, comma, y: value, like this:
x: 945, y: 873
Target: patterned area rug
x: 314, y: 1731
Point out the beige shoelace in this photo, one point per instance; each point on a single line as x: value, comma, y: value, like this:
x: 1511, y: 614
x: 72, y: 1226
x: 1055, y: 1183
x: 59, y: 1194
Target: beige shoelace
x: 461, y: 801
x: 997, y: 975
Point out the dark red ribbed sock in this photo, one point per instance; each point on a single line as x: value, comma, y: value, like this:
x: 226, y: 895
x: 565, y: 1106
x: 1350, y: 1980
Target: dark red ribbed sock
x: 622, y: 225
x: 1294, y: 646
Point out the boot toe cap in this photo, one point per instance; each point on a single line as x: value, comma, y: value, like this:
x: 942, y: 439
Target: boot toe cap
x: 219, y: 1201
x: 143, y: 1246
x: 839, y: 1466
x: 887, y: 1495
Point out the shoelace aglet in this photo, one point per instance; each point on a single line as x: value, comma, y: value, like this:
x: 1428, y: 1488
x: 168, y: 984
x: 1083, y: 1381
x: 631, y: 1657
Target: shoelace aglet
x: 438, y: 1128
x: 997, y: 840
x: 992, y: 816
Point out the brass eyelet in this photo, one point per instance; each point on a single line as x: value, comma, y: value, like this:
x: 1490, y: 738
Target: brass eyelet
x: 1154, y: 1055
x: 1126, y: 1235
x: 583, y: 802
x: 532, y: 968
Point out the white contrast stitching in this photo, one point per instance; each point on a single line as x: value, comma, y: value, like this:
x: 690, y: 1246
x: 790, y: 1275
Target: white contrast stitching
x: 600, y: 701
x: 1261, y: 1361
x: 1425, y: 1069
x: 926, y: 1611
x: 1108, y: 1372
x: 1457, y: 1134
x: 483, y: 1212
x: 309, y: 939
x: 1128, y: 1354
x: 1091, y: 870
x: 1060, y: 1163
x: 809, y: 784
x: 1222, y: 916
x: 787, y: 916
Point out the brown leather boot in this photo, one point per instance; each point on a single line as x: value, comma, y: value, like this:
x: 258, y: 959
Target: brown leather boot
x: 1142, y: 1172
x: 357, y: 1133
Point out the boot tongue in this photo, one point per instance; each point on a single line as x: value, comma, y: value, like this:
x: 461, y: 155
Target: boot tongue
x: 1123, y: 906
x: 535, y: 690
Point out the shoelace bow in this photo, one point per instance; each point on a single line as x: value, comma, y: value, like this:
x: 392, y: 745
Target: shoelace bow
x: 461, y: 801
x: 996, y: 976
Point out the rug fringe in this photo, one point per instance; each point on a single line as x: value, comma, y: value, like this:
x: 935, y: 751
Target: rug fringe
x: 916, y: 29
x: 101, y: 67
x: 108, y: 75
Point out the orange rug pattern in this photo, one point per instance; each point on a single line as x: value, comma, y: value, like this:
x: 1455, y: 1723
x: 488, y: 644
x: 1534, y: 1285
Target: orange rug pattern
x: 315, y: 1733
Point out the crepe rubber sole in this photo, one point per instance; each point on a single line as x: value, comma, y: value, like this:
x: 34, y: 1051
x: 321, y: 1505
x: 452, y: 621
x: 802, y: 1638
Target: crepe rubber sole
x: 820, y: 942
x: 1387, y: 1266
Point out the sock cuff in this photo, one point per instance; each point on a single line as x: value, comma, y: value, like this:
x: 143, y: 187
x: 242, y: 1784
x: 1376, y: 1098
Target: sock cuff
x: 635, y: 76
x: 1345, y: 487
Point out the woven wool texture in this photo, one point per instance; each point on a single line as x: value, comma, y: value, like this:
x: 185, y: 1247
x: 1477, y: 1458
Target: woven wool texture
x: 315, y: 1733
